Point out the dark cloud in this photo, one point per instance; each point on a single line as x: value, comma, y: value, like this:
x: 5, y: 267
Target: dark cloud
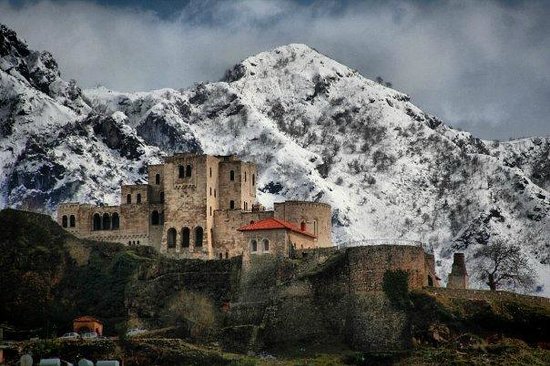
x: 482, y: 66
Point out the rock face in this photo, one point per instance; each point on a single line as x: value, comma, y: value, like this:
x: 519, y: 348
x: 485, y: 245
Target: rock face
x: 317, y: 129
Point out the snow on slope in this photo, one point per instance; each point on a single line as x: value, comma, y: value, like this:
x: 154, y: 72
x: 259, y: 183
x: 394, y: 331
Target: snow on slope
x: 318, y: 131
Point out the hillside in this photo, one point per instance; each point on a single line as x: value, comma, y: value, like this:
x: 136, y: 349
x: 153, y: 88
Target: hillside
x: 206, y: 308
x: 317, y: 129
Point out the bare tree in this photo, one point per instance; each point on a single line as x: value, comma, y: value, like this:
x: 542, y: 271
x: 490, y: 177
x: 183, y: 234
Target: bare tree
x: 503, y: 265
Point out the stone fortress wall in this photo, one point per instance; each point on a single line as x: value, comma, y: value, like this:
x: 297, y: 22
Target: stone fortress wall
x: 191, y: 207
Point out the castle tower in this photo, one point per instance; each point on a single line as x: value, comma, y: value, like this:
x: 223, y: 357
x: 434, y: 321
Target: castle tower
x: 458, y: 278
x: 189, y: 183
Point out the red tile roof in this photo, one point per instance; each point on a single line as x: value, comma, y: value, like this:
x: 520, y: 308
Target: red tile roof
x: 273, y: 223
x: 87, y: 319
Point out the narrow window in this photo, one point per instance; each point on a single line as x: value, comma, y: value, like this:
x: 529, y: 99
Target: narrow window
x: 188, y: 170
x: 185, y: 237
x: 214, y: 192
x: 253, y: 179
x: 129, y: 242
x: 221, y: 255
x: 210, y: 172
x: 172, y: 237
x: 128, y: 198
x: 226, y: 255
x: 138, y: 242
x: 232, y: 175
x: 72, y: 221
x: 64, y: 221
x: 198, y: 236
x: 157, y: 179
x: 303, y: 226
x: 251, y: 222
x: 210, y: 190
x: 106, y: 221
x: 115, y: 221
x: 210, y: 210
x: 266, y: 245
x: 161, y: 197
x: 246, y: 206
x: 155, y: 218
x: 97, y: 222
x: 254, y: 245
x: 245, y: 176
x: 138, y: 199
x: 232, y: 204
x: 181, y: 172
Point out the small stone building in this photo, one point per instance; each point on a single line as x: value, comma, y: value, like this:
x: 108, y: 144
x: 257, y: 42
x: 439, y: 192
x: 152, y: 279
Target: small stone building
x: 276, y: 236
x: 85, y: 324
x: 191, y: 207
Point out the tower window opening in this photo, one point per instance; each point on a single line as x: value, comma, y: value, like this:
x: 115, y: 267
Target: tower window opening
x: 188, y: 171
x: 171, y: 238
x: 138, y: 198
x: 232, y: 175
x: 64, y: 221
x: 157, y: 179
x: 128, y: 198
x: 72, y: 221
x: 181, y: 171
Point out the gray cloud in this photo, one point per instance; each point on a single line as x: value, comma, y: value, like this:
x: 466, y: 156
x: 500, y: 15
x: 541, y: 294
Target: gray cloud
x: 482, y: 66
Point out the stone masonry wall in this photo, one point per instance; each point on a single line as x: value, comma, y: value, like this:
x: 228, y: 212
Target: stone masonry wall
x: 317, y: 217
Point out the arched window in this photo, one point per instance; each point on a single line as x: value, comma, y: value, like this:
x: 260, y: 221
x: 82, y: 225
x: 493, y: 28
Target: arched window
x: 232, y: 175
x: 188, y: 170
x: 115, y: 221
x: 232, y: 204
x: 171, y: 237
x: 226, y: 255
x: 106, y: 221
x: 129, y: 242
x: 138, y: 242
x: 161, y: 197
x: 96, y: 222
x: 254, y: 246
x: 185, y: 234
x: 157, y: 179
x: 155, y: 218
x: 72, y: 221
x: 128, y: 198
x: 64, y: 221
x: 265, y: 243
x: 181, y: 171
x: 253, y: 179
x: 198, y: 236
x: 303, y: 226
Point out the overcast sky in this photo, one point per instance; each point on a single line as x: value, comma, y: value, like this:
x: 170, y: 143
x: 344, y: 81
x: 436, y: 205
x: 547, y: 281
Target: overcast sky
x: 483, y: 66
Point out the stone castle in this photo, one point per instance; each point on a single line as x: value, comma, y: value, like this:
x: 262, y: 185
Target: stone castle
x: 204, y: 206
x: 201, y: 206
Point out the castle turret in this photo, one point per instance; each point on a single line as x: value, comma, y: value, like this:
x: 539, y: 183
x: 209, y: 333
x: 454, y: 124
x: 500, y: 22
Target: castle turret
x: 458, y: 278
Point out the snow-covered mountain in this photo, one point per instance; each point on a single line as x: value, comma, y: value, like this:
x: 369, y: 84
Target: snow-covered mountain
x: 317, y: 129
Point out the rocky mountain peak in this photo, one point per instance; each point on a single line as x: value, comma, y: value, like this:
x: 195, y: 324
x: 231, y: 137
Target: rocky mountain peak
x: 317, y: 129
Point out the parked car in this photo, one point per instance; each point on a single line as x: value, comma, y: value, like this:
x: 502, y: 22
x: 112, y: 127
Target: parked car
x: 70, y: 335
x: 89, y: 335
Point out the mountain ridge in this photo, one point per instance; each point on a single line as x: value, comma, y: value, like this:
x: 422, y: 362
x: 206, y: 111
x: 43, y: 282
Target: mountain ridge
x: 317, y: 129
